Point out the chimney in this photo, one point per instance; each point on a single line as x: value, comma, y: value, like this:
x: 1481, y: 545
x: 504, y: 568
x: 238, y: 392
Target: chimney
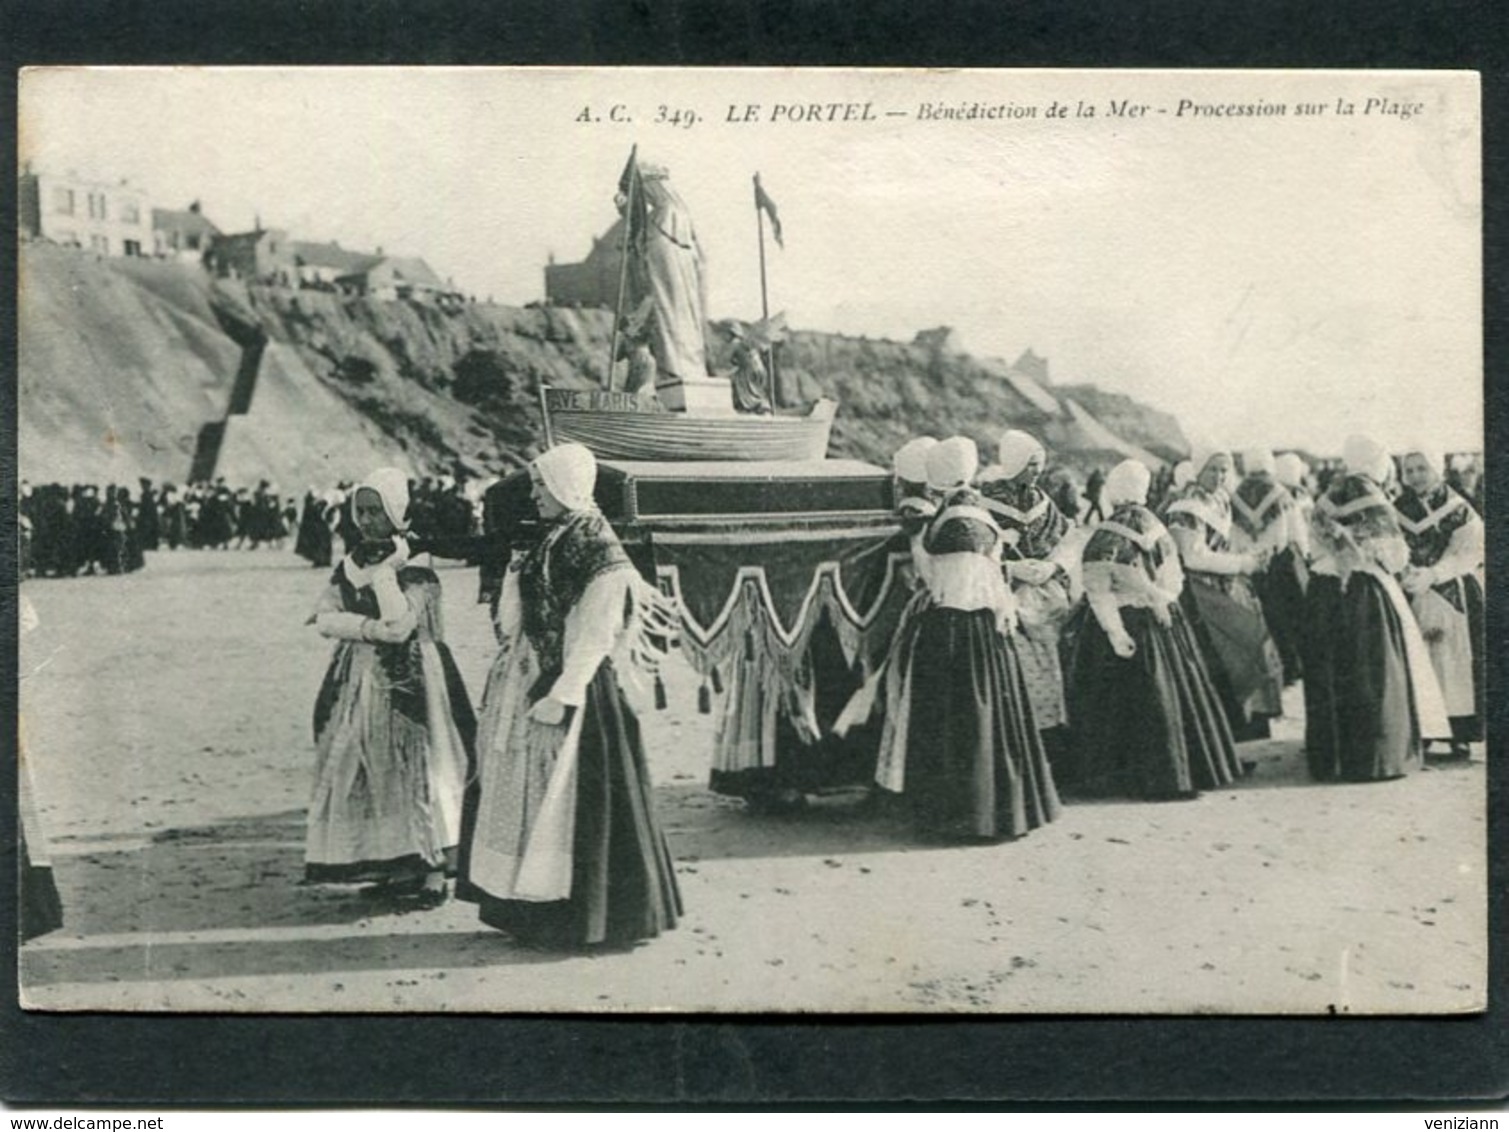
x: 194, y: 207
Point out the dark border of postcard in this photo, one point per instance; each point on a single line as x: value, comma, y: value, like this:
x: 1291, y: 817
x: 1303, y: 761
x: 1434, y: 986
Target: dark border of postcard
x: 202, y: 1061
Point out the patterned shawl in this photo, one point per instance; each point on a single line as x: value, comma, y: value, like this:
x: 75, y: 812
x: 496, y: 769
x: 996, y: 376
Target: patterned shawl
x: 1031, y: 522
x: 1428, y: 521
x: 1132, y: 536
x: 556, y: 573
x: 1207, y: 512
x: 1258, y: 502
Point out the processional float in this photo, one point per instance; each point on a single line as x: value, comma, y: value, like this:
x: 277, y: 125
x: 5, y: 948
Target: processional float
x: 722, y: 497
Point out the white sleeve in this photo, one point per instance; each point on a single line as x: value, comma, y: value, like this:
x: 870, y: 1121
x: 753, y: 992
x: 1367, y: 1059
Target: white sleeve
x: 1198, y: 556
x: 592, y: 629
x: 1464, y: 554
x: 1100, y: 595
x: 390, y: 600
x: 340, y: 625
x: 344, y: 626
x: 399, y: 628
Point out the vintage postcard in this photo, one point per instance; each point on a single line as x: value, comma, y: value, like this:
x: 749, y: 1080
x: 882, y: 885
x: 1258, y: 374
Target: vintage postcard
x: 845, y: 541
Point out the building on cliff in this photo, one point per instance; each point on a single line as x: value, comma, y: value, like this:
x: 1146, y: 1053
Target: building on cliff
x: 182, y: 234
x: 321, y: 264
x: 107, y: 218
x: 263, y: 255
x: 594, y: 281
x: 394, y: 277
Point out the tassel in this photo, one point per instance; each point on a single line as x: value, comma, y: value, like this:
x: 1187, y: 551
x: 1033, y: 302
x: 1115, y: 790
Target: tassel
x: 704, y: 700
x: 717, y: 682
x: 660, y: 700
x: 749, y: 645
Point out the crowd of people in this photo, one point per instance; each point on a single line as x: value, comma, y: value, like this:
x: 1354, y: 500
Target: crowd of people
x: 1040, y: 659
x: 75, y: 530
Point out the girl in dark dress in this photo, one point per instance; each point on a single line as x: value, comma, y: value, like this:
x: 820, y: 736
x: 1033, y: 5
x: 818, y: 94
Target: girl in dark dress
x: 562, y: 846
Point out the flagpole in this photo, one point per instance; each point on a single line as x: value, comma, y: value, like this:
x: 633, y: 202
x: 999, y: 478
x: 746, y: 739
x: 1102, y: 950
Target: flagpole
x: 765, y: 297
x: 623, y: 263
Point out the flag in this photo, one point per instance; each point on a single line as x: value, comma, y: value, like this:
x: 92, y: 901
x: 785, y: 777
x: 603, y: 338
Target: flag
x: 631, y: 189
x: 764, y: 202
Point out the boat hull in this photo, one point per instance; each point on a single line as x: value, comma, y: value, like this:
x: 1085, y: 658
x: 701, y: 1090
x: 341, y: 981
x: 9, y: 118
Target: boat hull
x: 673, y: 436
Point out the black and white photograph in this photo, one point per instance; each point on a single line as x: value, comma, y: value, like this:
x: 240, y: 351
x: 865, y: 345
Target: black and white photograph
x: 722, y: 541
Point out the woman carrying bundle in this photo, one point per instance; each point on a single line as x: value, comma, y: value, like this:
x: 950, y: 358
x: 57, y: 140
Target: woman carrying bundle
x: 563, y: 849
x: 392, y: 724
x: 1444, y: 580
x: 1145, y: 718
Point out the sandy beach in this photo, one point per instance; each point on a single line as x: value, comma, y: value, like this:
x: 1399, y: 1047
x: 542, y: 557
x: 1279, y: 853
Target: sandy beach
x: 166, y: 720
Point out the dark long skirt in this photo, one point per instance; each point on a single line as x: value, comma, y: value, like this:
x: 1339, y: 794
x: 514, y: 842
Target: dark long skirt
x: 1227, y: 620
x: 1359, y: 712
x: 623, y: 882
x: 1150, y: 725
x: 1281, y: 589
x: 975, y: 765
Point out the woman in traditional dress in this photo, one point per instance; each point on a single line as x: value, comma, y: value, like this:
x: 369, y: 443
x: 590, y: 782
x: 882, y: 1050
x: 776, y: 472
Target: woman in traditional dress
x: 1267, y: 523
x: 1221, y: 603
x: 1370, y: 693
x: 393, y: 726
x: 973, y: 762
x: 1031, y: 531
x: 1444, y: 580
x: 1145, y: 719
x: 563, y: 849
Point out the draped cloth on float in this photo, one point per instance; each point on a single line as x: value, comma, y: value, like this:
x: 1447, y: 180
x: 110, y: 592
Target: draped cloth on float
x: 758, y: 593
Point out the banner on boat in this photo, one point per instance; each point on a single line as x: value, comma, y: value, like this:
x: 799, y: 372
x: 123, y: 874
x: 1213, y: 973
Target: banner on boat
x: 599, y: 400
